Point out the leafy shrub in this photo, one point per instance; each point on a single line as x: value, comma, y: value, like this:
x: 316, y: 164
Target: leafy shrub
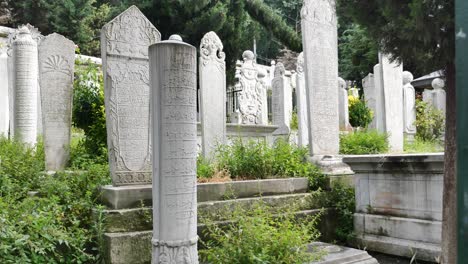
x: 430, y: 122
x: 256, y: 160
x: 257, y: 236
x: 363, y: 142
x: 359, y: 114
x: 88, y: 108
x: 204, y: 168
x: 294, y: 124
x: 55, y: 225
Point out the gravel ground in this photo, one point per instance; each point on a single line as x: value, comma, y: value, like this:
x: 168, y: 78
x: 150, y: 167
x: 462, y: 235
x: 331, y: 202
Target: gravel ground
x: 389, y: 259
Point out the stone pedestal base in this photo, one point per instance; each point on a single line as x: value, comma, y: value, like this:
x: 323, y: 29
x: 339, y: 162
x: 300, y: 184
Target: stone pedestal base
x: 334, y: 167
x: 339, y: 254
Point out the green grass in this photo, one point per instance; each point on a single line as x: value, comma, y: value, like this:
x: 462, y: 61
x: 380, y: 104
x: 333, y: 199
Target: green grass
x: 364, y: 142
x: 423, y: 146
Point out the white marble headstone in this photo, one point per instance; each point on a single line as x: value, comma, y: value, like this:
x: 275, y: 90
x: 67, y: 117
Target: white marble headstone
x: 319, y: 38
x: 409, y: 104
x: 124, y: 48
x: 439, y: 95
x: 301, y: 95
x: 368, y: 84
x: 281, y: 101
x: 4, y: 97
x: 56, y: 68
x: 212, y: 70
x: 25, y: 90
x: 343, y: 105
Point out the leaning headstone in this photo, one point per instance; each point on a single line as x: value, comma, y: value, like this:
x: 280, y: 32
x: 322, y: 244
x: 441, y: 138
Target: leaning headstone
x: 173, y: 84
x: 303, y: 133
x: 343, y: 105
x: 4, y: 95
x: 56, y: 68
x: 392, y: 78
x: 409, y: 105
x: 281, y: 101
x: 212, y: 93
x: 368, y: 84
x: 252, y: 96
x: 319, y: 37
x: 124, y: 49
x: 25, y: 91
x: 438, y: 94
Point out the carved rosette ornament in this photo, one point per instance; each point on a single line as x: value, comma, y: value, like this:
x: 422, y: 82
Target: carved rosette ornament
x: 124, y: 44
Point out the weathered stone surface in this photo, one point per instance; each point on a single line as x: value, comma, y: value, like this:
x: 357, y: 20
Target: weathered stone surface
x: 56, y: 69
x: 173, y: 83
x: 409, y: 105
x: 212, y: 93
x: 319, y: 37
x: 438, y: 94
x: 368, y: 84
x: 301, y: 99
x: 392, y: 78
x: 251, y: 95
x: 4, y: 94
x: 281, y: 101
x: 124, y: 49
x: 399, y: 203
x: 26, y: 89
x: 339, y: 254
x: 354, y: 92
x: 343, y: 105
x: 379, y: 114
x: 125, y: 248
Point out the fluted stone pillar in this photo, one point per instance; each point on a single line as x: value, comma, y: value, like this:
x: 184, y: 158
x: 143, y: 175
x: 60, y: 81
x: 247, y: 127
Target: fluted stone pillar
x: 173, y: 88
x: 26, y: 97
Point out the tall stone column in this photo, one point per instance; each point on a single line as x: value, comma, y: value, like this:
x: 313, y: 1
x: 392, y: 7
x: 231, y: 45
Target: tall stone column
x: 212, y: 93
x: 173, y: 88
x: 26, y: 72
x: 303, y: 123
x: 320, y: 42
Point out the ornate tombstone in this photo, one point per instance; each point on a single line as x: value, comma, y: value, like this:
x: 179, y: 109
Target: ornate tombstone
x: 281, y: 101
x: 124, y: 48
x: 25, y: 90
x: 303, y: 122
x: 56, y: 68
x: 409, y: 105
x: 252, y: 97
x: 212, y: 93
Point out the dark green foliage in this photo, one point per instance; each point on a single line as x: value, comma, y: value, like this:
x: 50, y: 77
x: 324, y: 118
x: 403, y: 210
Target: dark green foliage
x: 364, y: 142
x: 257, y: 236
x: 419, y: 32
x: 54, y: 226
x: 89, y: 111
x: 359, y: 114
x: 430, y: 122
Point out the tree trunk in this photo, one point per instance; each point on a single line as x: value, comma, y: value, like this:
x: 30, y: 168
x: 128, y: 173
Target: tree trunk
x: 449, y: 211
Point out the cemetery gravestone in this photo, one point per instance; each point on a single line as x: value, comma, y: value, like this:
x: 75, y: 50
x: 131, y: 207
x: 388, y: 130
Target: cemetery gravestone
x: 343, y: 105
x: 213, y: 93
x: 438, y: 94
x: 25, y: 90
x: 319, y: 37
x: 409, y: 105
x: 4, y: 97
x: 281, y: 101
x: 173, y: 83
x: 124, y: 49
x: 392, y: 78
x: 301, y: 95
x: 379, y: 99
x: 368, y: 84
x: 56, y: 68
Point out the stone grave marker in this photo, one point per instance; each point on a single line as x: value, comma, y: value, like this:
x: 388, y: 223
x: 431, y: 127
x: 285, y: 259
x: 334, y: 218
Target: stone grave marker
x: 343, y: 105
x: 303, y: 122
x: 368, y: 84
x: 124, y: 48
x: 56, y: 68
x: 439, y: 95
x: 281, y: 101
x: 4, y: 97
x: 212, y: 93
x: 409, y: 105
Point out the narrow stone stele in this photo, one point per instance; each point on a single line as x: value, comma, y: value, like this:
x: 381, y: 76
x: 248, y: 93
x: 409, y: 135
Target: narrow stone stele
x: 173, y: 84
x: 343, y: 105
x: 409, y: 106
x: 281, y: 101
x: 302, y: 117
x: 439, y: 95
